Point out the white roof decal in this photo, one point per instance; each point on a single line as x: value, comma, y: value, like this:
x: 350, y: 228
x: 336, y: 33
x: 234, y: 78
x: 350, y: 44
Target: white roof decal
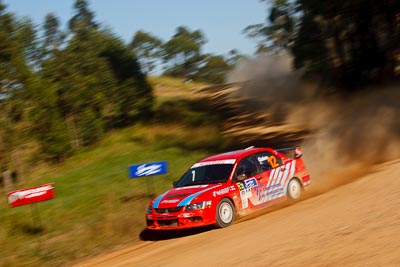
x: 215, y: 162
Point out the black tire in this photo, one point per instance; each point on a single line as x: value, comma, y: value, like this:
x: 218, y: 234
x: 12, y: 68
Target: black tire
x: 294, y: 189
x: 225, y: 213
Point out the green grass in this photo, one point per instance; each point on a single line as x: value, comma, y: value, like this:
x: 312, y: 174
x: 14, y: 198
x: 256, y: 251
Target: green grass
x: 97, y: 207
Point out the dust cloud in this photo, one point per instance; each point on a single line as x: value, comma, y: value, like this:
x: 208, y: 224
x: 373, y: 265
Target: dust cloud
x: 350, y: 133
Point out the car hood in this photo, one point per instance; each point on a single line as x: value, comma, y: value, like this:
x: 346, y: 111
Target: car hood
x: 182, y: 196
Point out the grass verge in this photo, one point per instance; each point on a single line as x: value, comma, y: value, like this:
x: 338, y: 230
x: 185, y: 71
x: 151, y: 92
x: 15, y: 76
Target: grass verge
x: 97, y: 207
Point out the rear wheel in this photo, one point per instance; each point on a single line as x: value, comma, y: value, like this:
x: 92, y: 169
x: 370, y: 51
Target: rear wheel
x: 294, y: 189
x: 225, y: 213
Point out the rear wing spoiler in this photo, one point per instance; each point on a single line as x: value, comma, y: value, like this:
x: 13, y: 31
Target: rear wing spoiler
x: 292, y: 152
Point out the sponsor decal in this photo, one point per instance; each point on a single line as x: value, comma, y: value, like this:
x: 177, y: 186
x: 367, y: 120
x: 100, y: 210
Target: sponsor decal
x: 167, y: 201
x: 223, y: 191
x: 277, y: 181
x: 247, y: 184
x: 245, y: 190
x: 269, y: 192
x: 31, y: 195
x: 147, y: 169
x: 271, y: 160
x: 263, y: 158
x: 144, y: 170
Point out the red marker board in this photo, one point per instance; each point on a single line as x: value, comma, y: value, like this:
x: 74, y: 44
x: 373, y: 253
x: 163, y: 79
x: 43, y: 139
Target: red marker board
x: 31, y: 195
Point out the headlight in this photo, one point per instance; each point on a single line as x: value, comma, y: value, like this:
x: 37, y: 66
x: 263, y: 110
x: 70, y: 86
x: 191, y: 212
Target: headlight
x: 149, y: 210
x: 199, y: 206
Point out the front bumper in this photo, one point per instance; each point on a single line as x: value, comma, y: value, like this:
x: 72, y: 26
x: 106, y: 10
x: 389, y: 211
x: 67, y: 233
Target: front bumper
x: 180, y: 219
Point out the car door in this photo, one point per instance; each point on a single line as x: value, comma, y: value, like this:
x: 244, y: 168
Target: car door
x: 247, y: 179
x: 272, y: 173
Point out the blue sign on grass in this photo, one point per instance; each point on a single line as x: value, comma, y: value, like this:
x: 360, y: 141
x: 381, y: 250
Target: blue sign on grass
x: 148, y: 169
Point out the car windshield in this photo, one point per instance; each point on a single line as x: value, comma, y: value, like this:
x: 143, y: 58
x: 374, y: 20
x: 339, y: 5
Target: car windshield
x: 209, y: 174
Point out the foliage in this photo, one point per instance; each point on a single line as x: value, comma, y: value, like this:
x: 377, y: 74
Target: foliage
x: 349, y: 43
x: 48, y: 125
x: 83, y: 20
x: 183, y: 52
x: 52, y: 38
x: 14, y: 74
x: 67, y: 88
x: 133, y: 96
x: 213, y: 70
x: 147, y: 49
x: 278, y: 33
x: 182, y: 56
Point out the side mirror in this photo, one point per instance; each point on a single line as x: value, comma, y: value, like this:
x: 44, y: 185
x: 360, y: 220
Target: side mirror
x: 174, y: 183
x: 241, y: 177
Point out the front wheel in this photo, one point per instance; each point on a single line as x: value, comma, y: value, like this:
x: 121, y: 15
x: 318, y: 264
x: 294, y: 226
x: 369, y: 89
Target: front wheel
x: 294, y: 189
x: 225, y: 213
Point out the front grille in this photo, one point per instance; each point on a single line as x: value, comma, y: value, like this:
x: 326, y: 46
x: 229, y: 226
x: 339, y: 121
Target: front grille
x: 195, y: 219
x: 162, y: 223
x: 168, y: 210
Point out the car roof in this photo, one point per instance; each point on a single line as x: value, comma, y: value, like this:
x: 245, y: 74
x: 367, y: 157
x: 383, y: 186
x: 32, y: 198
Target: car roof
x: 237, y: 154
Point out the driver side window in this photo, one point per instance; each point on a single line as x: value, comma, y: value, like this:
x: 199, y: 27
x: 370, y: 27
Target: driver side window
x: 247, y: 167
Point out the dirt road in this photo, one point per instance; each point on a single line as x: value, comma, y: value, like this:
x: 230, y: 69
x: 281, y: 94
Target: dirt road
x: 357, y: 224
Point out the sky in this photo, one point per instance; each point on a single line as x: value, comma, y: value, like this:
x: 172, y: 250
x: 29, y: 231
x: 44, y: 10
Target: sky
x: 221, y: 21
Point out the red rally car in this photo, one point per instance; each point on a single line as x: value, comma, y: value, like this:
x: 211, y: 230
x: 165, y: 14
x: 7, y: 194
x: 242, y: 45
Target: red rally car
x: 218, y: 188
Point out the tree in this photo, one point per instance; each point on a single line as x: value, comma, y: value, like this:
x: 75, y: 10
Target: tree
x: 13, y: 71
x: 98, y: 81
x: 360, y: 39
x: 14, y: 74
x: 134, y: 95
x: 82, y: 79
x: 53, y: 37
x: 350, y: 43
x: 213, y: 70
x: 83, y: 20
x: 25, y: 35
x: 147, y: 49
x: 182, y: 53
x: 233, y: 57
x: 309, y: 49
x: 279, y: 31
x: 65, y: 91
x: 48, y: 123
